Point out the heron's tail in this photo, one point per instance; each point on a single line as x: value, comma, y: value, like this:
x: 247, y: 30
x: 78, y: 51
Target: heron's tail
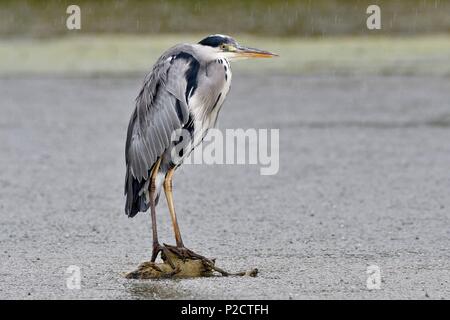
x: 136, y: 200
x: 136, y: 193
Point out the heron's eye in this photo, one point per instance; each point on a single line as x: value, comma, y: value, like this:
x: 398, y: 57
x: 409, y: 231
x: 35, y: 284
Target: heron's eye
x: 223, y: 46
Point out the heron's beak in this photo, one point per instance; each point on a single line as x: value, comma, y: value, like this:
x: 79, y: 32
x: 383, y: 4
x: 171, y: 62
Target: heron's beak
x: 244, y: 52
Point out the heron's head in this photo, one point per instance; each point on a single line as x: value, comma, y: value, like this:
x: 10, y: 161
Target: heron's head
x: 226, y: 47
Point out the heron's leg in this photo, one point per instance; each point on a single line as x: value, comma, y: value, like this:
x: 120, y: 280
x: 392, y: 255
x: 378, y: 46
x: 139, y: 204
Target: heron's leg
x: 173, y: 215
x: 180, y: 249
x: 156, y: 246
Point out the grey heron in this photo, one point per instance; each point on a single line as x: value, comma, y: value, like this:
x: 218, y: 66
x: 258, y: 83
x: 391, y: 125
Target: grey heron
x: 185, y: 90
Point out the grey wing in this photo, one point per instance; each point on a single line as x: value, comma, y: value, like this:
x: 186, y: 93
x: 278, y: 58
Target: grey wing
x: 161, y: 108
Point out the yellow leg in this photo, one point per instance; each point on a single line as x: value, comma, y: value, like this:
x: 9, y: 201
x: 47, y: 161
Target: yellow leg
x: 156, y: 245
x: 173, y: 215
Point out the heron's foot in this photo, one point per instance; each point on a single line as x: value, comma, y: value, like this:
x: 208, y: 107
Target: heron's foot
x: 165, y: 255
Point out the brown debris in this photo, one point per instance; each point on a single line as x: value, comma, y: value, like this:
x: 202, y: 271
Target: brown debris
x: 184, y: 268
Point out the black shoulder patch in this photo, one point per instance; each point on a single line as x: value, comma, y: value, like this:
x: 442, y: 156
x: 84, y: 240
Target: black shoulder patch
x: 191, y: 74
x: 183, y: 55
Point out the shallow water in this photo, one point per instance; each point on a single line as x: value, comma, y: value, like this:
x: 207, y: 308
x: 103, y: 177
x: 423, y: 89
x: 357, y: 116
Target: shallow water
x: 363, y: 180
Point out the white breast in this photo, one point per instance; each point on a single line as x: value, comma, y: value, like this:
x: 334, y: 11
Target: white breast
x: 208, y: 99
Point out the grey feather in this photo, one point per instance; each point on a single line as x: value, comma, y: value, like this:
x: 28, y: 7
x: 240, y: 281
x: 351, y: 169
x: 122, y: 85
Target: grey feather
x: 155, y: 116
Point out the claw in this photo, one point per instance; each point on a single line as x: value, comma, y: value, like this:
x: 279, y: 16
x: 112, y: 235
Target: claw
x: 157, y: 248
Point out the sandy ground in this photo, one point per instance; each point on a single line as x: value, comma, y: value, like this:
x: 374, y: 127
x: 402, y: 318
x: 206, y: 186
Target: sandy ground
x: 364, y: 180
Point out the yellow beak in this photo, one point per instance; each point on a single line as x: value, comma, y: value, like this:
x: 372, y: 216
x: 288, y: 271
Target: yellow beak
x: 253, y: 53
